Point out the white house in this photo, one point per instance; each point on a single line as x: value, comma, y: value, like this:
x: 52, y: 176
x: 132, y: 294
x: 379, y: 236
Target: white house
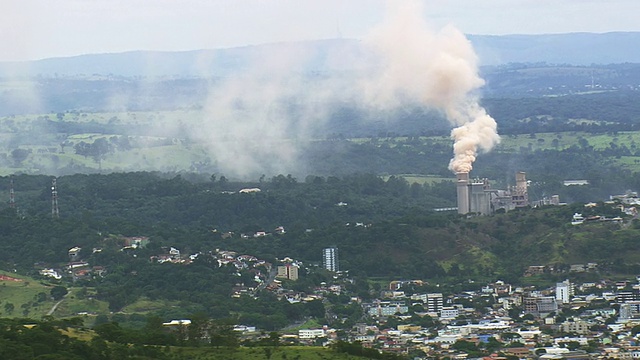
x: 311, y: 333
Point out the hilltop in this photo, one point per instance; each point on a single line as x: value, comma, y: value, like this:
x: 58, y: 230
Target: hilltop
x: 571, y: 49
x: 383, y: 228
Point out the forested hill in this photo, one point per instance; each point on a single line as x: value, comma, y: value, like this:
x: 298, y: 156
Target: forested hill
x: 383, y: 228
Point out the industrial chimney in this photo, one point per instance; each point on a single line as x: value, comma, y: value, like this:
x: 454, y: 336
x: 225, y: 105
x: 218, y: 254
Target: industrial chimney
x: 463, y: 192
x: 520, y: 196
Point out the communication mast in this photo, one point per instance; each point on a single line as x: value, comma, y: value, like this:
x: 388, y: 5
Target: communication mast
x: 54, y: 199
x: 12, y: 196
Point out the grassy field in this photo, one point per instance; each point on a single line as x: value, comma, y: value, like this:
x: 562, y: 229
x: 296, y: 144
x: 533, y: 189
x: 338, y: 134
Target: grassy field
x: 31, y: 298
x: 144, y: 305
x: 168, y: 155
x: 81, y: 334
x: 23, y: 298
x: 115, y: 118
x: 537, y: 141
x: 559, y: 141
x: 81, y: 301
x: 544, y: 141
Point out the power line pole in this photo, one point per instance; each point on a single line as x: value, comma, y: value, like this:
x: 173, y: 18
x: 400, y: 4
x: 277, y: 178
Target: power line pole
x: 12, y: 196
x: 55, y: 213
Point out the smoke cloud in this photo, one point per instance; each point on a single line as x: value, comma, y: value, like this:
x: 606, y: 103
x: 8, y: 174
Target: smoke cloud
x: 252, y: 118
x: 256, y: 108
x: 437, y: 69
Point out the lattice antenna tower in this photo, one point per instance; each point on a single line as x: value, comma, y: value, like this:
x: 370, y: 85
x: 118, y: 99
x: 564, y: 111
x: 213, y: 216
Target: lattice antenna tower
x: 55, y: 213
x: 12, y: 195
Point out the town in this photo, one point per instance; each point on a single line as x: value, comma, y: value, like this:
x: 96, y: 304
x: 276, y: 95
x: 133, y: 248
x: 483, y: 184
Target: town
x: 496, y: 320
x: 319, y: 180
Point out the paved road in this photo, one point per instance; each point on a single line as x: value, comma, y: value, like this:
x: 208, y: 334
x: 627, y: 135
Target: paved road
x: 55, y: 306
x: 272, y: 276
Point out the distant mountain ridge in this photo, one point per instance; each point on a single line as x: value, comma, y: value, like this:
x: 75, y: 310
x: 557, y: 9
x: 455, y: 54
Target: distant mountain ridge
x: 572, y: 48
x: 321, y: 55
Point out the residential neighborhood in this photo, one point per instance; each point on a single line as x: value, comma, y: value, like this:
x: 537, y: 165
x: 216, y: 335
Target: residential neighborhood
x: 572, y: 319
x: 575, y: 321
x: 497, y: 320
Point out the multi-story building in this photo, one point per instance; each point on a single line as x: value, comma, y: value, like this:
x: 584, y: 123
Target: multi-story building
x: 627, y: 296
x: 540, y: 306
x: 435, y: 302
x: 330, y: 259
x: 629, y: 310
x: 288, y: 271
x: 449, y: 312
x: 564, y: 290
x: 575, y: 327
x: 388, y: 309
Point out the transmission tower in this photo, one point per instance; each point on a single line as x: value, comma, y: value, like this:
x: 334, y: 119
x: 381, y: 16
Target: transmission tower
x: 54, y: 199
x: 12, y: 196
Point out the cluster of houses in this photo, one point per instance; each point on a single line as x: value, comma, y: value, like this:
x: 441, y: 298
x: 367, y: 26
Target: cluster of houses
x: 576, y: 321
x: 258, y: 234
x: 568, y: 321
x: 76, y: 268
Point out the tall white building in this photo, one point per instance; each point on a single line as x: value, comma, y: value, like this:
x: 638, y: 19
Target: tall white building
x: 563, y: 292
x: 330, y: 259
x: 626, y: 312
x: 435, y: 301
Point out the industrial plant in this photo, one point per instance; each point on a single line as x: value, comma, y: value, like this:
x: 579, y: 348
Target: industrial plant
x: 477, y: 196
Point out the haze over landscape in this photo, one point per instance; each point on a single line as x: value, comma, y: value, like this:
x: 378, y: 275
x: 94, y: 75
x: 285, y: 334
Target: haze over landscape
x: 410, y: 56
x: 37, y: 29
x: 361, y: 179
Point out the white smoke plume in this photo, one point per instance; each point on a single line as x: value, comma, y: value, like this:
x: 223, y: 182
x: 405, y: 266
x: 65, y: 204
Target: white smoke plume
x: 437, y: 69
x: 253, y: 117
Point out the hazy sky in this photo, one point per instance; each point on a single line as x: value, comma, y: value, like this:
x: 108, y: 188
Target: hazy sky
x: 35, y: 29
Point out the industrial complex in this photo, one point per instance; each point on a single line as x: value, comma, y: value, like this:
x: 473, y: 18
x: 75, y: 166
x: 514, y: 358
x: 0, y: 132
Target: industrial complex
x: 477, y: 196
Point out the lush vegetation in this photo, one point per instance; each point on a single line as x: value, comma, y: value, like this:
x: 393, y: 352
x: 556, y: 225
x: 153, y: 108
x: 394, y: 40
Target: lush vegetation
x: 25, y: 339
x: 383, y: 229
x: 352, y: 193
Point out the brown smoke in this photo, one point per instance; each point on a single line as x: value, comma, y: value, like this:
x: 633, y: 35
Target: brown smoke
x: 437, y: 69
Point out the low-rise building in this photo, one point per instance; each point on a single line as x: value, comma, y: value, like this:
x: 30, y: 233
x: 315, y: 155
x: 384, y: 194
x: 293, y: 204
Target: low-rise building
x: 449, y: 312
x: 311, y: 333
x: 575, y: 327
x: 388, y: 310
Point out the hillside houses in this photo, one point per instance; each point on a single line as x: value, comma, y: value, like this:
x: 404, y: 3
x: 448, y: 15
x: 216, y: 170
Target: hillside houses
x: 590, y: 319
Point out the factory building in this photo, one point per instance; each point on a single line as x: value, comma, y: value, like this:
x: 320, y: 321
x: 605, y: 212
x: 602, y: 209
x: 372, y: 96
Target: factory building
x: 476, y: 195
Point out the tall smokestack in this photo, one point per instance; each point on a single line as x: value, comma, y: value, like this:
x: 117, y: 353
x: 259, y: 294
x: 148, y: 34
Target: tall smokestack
x: 520, y: 195
x: 463, y: 192
x: 521, y: 181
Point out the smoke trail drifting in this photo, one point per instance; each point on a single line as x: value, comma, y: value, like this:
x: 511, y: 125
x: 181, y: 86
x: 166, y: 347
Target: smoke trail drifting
x: 253, y: 117
x: 436, y: 69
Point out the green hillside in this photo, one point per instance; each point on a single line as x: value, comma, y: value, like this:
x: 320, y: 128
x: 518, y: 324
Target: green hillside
x: 67, y: 339
x: 384, y: 229
x: 23, y: 296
